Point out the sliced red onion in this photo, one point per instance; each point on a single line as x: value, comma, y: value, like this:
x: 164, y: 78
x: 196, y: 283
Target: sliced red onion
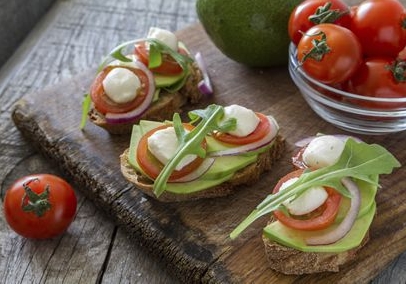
x: 345, y: 226
x: 205, y: 84
x: 115, y: 118
x: 305, y: 141
x: 267, y: 139
x: 202, y: 169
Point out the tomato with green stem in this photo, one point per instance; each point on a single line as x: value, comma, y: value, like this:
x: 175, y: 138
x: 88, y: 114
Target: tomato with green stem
x: 380, y: 26
x: 329, y: 53
x: 40, y: 206
x: 152, y: 167
x: 319, y: 218
x: 379, y: 77
x: 104, y: 104
x: 313, y: 12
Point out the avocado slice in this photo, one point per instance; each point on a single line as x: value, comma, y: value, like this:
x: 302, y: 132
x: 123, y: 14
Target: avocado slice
x: 289, y: 237
x: 162, y: 81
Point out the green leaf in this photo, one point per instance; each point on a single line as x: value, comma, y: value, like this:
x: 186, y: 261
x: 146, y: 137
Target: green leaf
x: 155, y: 57
x: 358, y: 160
x: 209, y: 120
x: 86, y: 104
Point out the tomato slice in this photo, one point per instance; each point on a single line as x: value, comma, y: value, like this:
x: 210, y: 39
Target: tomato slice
x: 104, y: 104
x: 152, y: 166
x: 262, y: 129
x: 169, y: 65
x: 319, y: 219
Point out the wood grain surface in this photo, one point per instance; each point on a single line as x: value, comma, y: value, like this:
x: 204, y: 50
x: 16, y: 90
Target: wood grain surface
x: 72, y: 38
x: 192, y: 237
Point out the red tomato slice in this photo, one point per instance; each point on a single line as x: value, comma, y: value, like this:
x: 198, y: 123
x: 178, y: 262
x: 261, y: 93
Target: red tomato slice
x: 262, y: 129
x: 319, y: 219
x: 104, y: 104
x: 169, y: 65
x: 152, y: 166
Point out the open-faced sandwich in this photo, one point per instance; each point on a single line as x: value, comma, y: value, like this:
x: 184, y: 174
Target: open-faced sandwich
x: 149, y: 78
x: 323, y: 210
x: 218, y: 150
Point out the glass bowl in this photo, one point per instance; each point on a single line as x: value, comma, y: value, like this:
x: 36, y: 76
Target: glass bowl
x: 348, y: 111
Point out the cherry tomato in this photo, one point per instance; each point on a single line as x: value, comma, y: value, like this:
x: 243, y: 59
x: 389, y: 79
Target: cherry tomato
x: 40, y: 206
x: 104, y: 104
x: 152, y: 166
x: 380, y: 26
x: 169, y: 65
x: 319, y: 219
x: 262, y: 129
x: 329, y: 53
x: 381, y: 78
x: 313, y: 12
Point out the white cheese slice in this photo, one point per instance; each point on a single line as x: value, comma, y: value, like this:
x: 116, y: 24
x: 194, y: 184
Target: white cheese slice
x: 163, y: 145
x: 247, y: 120
x: 305, y: 203
x: 121, y: 85
x: 165, y: 36
x: 323, y: 151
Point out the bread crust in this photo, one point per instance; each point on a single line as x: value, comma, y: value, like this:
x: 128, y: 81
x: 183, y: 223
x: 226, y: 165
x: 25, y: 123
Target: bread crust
x: 161, y: 110
x: 292, y: 261
x: 248, y: 175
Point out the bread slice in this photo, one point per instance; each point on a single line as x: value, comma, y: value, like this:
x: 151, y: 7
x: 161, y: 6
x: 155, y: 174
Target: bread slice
x: 248, y: 175
x: 292, y: 261
x: 161, y: 110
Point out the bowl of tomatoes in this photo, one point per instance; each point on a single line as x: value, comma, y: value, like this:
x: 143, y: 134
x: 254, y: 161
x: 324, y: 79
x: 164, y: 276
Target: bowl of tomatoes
x: 350, y: 81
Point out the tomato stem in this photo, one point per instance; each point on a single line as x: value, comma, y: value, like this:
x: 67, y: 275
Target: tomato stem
x: 320, y: 48
x: 398, y: 69
x: 37, y: 203
x: 323, y: 14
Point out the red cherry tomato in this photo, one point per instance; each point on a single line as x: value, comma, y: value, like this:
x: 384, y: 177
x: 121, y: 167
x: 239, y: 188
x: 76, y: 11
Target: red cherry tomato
x: 313, y: 12
x: 319, y: 219
x: 376, y: 78
x: 262, y: 129
x: 380, y: 26
x: 40, y: 206
x: 169, y: 65
x: 104, y: 104
x: 329, y: 53
x: 152, y: 166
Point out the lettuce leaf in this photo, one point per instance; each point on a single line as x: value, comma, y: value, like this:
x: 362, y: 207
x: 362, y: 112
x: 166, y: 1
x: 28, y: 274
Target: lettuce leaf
x: 358, y: 160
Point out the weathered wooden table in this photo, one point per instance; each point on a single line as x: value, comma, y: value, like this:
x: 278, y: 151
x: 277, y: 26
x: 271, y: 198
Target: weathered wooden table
x: 71, y: 39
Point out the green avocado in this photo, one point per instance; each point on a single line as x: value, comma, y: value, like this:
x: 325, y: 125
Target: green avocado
x: 222, y: 169
x: 289, y: 237
x: 162, y: 81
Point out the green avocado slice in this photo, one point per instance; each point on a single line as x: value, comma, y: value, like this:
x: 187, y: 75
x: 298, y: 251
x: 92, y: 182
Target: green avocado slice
x: 286, y: 236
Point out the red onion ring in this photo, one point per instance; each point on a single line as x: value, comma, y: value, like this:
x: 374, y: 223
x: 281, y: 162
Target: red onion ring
x: 115, y: 118
x: 345, y: 226
x: 267, y: 139
x: 202, y: 169
x: 204, y: 85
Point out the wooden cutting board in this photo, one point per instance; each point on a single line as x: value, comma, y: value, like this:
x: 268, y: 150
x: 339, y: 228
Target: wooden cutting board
x: 192, y: 237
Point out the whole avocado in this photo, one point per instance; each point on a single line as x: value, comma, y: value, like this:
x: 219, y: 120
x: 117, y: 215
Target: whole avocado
x: 252, y: 32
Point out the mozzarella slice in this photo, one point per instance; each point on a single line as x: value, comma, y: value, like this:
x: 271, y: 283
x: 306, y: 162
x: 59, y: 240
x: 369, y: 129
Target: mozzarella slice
x: 163, y: 145
x: 323, y: 151
x: 305, y: 203
x: 247, y: 120
x: 164, y: 36
x: 121, y: 85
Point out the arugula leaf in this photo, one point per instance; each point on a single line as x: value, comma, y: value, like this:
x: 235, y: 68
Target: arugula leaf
x: 358, y: 160
x: 209, y: 120
x: 86, y: 103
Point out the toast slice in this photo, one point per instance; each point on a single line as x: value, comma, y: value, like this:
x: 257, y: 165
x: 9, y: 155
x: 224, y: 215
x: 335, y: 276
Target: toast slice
x: 248, y: 175
x: 292, y: 261
x: 163, y: 109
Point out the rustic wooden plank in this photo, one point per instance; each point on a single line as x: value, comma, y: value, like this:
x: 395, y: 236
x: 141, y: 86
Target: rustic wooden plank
x: 188, y: 236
